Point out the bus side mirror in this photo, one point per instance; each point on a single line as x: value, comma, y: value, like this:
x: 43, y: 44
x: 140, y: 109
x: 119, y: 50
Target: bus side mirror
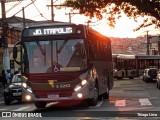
x: 14, y: 52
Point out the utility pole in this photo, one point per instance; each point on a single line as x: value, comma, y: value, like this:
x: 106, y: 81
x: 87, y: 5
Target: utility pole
x: 159, y: 46
x: 52, y: 12
x: 70, y: 16
x: 4, y: 36
x: 148, y: 44
x: 24, y: 21
x: 88, y: 23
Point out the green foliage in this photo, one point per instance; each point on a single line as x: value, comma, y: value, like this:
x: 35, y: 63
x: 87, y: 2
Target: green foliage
x: 112, y: 9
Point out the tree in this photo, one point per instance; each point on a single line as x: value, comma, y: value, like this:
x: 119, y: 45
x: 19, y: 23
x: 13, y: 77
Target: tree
x: 112, y: 9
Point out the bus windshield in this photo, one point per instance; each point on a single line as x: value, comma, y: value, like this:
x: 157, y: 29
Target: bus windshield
x: 56, y: 55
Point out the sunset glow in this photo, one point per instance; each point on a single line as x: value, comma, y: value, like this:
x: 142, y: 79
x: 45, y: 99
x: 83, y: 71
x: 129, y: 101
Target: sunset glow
x: 123, y: 28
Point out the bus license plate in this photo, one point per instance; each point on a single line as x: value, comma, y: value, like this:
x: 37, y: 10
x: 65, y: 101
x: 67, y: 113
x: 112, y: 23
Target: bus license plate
x: 53, y: 96
x: 17, y: 94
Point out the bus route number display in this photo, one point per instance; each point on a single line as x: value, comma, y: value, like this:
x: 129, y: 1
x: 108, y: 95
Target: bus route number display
x: 50, y: 31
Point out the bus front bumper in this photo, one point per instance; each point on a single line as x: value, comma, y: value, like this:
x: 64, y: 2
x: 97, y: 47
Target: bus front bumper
x: 84, y: 93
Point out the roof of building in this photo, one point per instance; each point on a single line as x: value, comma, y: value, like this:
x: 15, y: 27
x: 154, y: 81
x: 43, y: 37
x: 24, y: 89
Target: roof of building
x: 18, y: 22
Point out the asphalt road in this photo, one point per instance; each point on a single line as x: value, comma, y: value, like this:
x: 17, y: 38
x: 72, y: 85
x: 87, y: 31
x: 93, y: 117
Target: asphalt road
x: 130, y: 99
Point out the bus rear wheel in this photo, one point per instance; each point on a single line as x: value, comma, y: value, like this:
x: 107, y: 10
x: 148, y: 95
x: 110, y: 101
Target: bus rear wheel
x: 40, y: 104
x: 106, y: 94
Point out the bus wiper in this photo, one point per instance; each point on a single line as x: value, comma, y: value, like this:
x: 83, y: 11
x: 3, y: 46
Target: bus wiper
x: 62, y: 45
x: 40, y: 47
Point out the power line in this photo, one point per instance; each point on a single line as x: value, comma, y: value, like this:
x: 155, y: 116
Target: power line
x: 14, y: 6
x: 39, y: 11
x: 24, y: 7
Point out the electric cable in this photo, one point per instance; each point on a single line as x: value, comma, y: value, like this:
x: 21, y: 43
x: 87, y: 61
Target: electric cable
x: 24, y: 7
x: 39, y: 12
x: 13, y: 6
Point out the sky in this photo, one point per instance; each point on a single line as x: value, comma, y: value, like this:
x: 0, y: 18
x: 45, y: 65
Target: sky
x: 40, y: 11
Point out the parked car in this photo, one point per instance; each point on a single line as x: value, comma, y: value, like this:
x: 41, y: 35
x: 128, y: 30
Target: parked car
x: 150, y: 74
x: 158, y: 80
x: 13, y: 91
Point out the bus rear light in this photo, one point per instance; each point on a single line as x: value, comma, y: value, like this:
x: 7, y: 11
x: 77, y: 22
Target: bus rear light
x: 79, y: 95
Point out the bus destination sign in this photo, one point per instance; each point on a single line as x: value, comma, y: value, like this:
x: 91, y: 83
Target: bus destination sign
x: 49, y: 31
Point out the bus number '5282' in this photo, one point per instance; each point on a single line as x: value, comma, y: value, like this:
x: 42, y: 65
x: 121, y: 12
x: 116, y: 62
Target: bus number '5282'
x: 61, y: 86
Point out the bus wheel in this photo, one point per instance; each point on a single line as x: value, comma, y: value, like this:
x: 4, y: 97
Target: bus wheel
x: 40, y: 104
x: 106, y: 94
x: 93, y: 101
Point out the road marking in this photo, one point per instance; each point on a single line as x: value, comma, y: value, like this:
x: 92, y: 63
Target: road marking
x: 120, y: 103
x: 22, y: 108
x: 144, y: 101
x: 98, y: 104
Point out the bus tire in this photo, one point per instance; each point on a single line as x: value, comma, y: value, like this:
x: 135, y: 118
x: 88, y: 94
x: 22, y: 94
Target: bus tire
x: 106, y: 94
x: 93, y: 101
x: 40, y: 104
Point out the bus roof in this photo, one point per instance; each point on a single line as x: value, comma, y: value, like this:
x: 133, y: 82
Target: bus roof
x: 53, y: 24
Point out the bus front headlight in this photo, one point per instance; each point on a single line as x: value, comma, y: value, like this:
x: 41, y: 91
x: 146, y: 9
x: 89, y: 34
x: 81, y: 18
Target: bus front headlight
x: 79, y: 86
x: 83, y: 82
x: 24, y: 85
x: 27, y: 87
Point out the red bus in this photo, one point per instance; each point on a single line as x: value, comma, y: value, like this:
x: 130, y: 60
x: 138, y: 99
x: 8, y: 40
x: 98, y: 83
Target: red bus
x: 64, y: 62
x: 124, y: 66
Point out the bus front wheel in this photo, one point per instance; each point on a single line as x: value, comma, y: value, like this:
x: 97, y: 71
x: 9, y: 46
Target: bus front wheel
x: 93, y: 101
x: 40, y: 104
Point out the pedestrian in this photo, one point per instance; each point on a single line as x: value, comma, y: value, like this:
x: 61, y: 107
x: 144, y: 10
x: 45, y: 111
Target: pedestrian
x: 8, y: 76
x: 16, y: 72
x: 3, y: 76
